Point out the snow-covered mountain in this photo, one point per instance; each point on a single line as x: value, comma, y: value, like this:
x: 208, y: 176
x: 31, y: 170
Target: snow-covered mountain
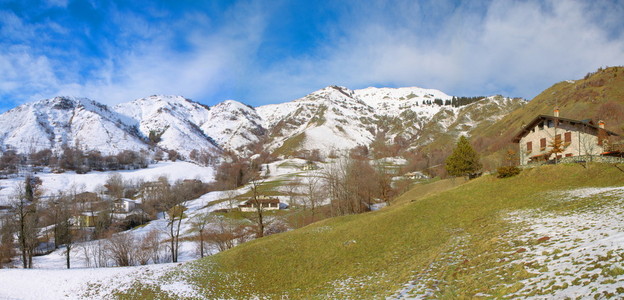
x: 171, y: 122
x: 234, y: 126
x: 52, y: 123
x: 339, y: 118
x: 333, y: 118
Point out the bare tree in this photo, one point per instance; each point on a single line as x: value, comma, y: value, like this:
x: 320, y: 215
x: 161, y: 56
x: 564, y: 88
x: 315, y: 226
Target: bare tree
x: 257, y: 202
x: 292, y: 189
x: 226, y: 233
x: 175, y: 206
x: 120, y: 248
x: 115, y: 185
x: 63, y: 207
x: 25, y: 212
x: 95, y: 253
x: 313, y: 193
x: 353, y: 185
x: 384, y: 183
x: 231, y: 198
x: 199, y: 223
x: 7, y: 232
x: 158, y: 252
x: 148, y: 248
x: 588, y: 143
x: 334, y: 176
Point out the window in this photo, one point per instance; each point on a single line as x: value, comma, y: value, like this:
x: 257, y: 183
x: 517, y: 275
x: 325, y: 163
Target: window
x: 543, y: 144
x: 549, y: 123
x: 558, y: 137
x: 567, y: 137
x: 569, y: 154
x: 529, y: 146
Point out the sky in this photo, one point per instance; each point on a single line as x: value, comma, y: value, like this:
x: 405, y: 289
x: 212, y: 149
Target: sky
x: 260, y: 52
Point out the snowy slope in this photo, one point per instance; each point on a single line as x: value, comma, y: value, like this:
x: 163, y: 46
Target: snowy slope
x: 339, y: 118
x: 174, y: 119
x: 91, y: 182
x: 331, y: 118
x: 233, y: 125
x: 52, y: 123
x: 392, y: 101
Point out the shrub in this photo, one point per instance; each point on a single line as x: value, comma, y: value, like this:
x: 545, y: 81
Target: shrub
x: 508, y: 171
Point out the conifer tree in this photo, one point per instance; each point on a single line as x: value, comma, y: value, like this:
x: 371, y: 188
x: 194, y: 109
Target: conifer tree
x: 464, y: 161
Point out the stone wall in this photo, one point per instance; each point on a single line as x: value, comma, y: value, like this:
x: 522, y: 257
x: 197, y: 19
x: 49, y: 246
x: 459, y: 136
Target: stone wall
x: 577, y: 159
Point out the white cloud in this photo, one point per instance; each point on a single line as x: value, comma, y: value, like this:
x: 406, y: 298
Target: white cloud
x: 147, y: 61
x: 512, y: 47
x: 519, y: 48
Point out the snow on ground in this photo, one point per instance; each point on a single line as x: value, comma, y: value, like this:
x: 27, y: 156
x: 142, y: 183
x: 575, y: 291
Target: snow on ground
x: 188, y: 250
x: 86, y: 283
x: 51, y: 280
x: 573, y: 253
x: 581, y: 253
x: 92, y: 181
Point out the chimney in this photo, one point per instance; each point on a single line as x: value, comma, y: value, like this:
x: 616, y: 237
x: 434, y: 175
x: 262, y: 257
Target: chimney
x: 556, y: 112
x: 601, y: 124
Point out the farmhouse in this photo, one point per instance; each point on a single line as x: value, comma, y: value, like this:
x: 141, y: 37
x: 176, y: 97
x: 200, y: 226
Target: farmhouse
x: 123, y: 205
x: 266, y: 203
x: 87, y: 197
x: 84, y: 219
x: 552, y: 137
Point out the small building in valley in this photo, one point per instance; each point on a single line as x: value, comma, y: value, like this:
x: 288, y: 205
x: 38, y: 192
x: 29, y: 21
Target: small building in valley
x: 266, y: 203
x: 123, y: 205
x: 84, y: 219
x: 552, y: 137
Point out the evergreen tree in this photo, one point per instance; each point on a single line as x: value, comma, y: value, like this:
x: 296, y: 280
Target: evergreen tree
x: 464, y: 161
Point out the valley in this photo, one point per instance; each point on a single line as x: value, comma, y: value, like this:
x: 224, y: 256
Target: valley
x: 363, y: 206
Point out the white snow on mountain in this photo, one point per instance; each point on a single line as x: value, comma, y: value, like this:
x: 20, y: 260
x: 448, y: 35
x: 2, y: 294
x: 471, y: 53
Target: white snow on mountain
x: 336, y: 118
x: 52, y: 123
x: 392, y: 101
x: 233, y: 125
x: 171, y: 122
x: 332, y: 118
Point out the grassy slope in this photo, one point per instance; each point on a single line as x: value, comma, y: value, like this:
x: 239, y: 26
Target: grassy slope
x: 374, y: 254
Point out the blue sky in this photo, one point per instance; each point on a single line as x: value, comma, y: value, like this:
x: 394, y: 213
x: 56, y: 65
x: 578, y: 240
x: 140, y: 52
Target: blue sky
x: 261, y: 52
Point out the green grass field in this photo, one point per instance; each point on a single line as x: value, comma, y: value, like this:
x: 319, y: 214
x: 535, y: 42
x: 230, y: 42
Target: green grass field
x: 451, y: 238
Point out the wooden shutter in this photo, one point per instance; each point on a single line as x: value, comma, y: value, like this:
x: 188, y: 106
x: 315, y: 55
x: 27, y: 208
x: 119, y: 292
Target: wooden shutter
x: 529, y: 146
x: 543, y: 143
x: 567, y: 137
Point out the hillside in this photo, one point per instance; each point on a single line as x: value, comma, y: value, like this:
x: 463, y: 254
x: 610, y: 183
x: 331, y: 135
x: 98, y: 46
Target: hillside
x: 598, y: 96
x: 170, y: 122
x: 53, y: 123
x: 337, y: 118
x: 333, y: 118
x: 550, y: 231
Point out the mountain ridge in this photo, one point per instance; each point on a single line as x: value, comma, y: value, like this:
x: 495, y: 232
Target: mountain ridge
x: 332, y: 118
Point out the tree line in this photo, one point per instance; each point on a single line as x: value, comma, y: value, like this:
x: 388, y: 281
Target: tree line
x: 71, y: 159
